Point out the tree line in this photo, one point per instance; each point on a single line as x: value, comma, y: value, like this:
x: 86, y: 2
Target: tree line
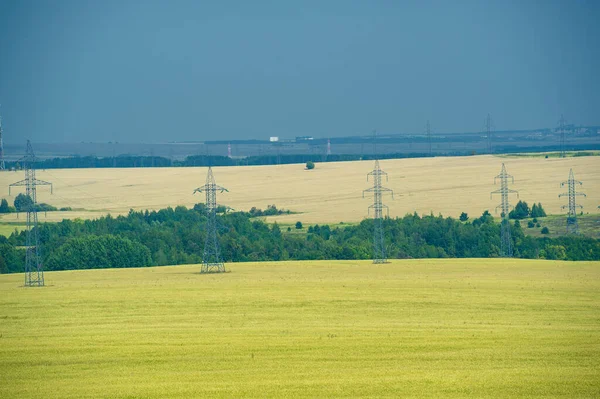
x: 174, y: 236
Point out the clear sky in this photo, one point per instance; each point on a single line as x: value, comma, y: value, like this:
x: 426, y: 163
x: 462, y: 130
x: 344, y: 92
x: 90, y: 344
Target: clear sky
x: 156, y: 71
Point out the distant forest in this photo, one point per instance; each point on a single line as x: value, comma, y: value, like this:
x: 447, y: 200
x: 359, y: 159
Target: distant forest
x: 217, y: 160
x: 176, y: 236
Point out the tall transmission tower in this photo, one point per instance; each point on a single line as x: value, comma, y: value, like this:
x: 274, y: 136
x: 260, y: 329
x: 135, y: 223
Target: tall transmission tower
x: 34, y: 268
x: 428, y: 131
x: 2, y: 165
x: 572, y: 226
x: 506, y: 249
x: 489, y: 128
x: 379, y: 253
x: 562, y: 127
x: 211, y: 259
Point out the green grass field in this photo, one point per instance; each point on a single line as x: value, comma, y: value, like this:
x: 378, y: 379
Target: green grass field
x: 6, y: 229
x: 417, y: 328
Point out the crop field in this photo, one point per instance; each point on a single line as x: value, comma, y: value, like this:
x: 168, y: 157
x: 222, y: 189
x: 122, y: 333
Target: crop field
x: 425, y: 328
x: 331, y: 193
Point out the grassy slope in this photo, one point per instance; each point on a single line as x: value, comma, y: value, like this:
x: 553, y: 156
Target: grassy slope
x: 450, y: 328
x: 589, y: 225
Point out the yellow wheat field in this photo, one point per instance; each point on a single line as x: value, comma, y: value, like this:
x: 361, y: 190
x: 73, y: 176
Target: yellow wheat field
x: 332, y: 192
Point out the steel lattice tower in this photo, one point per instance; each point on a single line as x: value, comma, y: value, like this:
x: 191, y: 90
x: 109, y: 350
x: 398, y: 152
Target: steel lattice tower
x: 506, y: 249
x: 34, y: 268
x: 379, y: 253
x: 489, y: 126
x: 572, y: 226
x: 211, y: 259
x: 561, y: 129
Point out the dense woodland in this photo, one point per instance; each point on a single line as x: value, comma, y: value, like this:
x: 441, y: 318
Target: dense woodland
x: 176, y: 236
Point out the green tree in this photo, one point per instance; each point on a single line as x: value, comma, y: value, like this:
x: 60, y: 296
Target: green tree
x: 521, y: 211
x: 464, y: 217
x: 557, y: 252
x: 545, y: 230
x: 4, y: 206
x: 23, y: 202
x: 537, y: 210
x: 298, y: 225
x: 97, y: 252
x: 310, y: 165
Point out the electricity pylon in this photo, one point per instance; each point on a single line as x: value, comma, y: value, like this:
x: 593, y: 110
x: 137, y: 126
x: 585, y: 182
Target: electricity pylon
x: 572, y: 225
x: 379, y: 255
x: 34, y: 268
x: 211, y: 259
x: 506, y: 249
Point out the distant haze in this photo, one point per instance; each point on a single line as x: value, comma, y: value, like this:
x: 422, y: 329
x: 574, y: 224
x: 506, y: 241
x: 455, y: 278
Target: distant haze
x: 156, y: 71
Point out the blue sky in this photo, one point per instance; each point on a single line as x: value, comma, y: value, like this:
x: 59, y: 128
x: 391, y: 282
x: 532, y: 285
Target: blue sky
x: 156, y: 71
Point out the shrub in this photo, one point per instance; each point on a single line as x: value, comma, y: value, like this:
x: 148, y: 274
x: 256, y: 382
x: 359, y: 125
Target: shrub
x: 310, y: 165
x: 530, y: 224
x: 464, y: 217
x: 545, y: 230
x: 298, y: 225
x: 45, y: 207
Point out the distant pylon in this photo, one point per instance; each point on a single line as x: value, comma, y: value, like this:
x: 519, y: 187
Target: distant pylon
x: 489, y: 127
x: 379, y: 253
x: 34, y: 268
x: 506, y: 249
x: 561, y: 130
x: 328, y: 147
x: 2, y: 165
x: 211, y: 260
x: 229, y: 150
x: 428, y: 131
x: 572, y: 225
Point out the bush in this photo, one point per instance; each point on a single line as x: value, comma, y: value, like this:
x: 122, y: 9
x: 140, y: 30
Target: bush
x: 545, y: 230
x: 464, y: 217
x: 534, y: 220
x: 310, y: 165
x: 65, y: 209
x: 298, y: 225
x: 530, y: 224
x: 45, y: 207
